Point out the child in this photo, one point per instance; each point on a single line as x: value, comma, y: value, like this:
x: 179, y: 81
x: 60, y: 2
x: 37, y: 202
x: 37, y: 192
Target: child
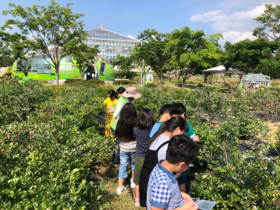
x: 124, y: 133
x: 141, y: 131
x: 157, y: 147
x: 163, y: 191
x: 164, y: 116
x: 178, y: 109
x: 127, y: 96
x: 110, y: 102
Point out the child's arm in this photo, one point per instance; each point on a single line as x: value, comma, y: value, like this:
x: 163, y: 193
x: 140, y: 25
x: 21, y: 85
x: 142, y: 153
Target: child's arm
x: 188, y: 206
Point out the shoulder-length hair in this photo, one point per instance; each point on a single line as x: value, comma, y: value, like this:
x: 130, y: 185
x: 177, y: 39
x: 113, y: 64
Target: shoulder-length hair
x: 145, y: 119
x: 126, y: 123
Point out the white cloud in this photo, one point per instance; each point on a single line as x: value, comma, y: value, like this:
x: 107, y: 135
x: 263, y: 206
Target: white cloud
x: 236, y: 26
x: 208, y: 16
x: 239, y: 20
x: 236, y: 36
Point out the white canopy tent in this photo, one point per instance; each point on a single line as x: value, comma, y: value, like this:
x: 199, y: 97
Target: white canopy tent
x: 222, y: 70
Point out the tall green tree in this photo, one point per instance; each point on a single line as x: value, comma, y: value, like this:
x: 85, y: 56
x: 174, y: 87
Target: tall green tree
x: 251, y: 56
x: 178, y: 40
x: 5, y: 51
x: 17, y: 46
x: 193, y: 51
x: 54, y: 29
x: 270, y: 22
x: 124, y: 63
x: 152, y: 48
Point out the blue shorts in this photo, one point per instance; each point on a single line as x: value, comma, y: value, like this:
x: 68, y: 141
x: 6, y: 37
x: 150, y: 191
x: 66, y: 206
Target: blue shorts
x: 125, y: 158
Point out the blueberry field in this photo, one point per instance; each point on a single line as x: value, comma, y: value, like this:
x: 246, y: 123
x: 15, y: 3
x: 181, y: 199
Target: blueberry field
x: 52, y: 139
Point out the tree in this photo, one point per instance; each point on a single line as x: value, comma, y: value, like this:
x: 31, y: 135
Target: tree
x: 84, y: 57
x: 124, y: 63
x: 54, y: 29
x: 17, y: 46
x: 178, y: 40
x: 193, y: 51
x: 5, y: 52
x: 270, y: 20
x: 251, y: 56
x: 206, y: 56
x: 152, y: 48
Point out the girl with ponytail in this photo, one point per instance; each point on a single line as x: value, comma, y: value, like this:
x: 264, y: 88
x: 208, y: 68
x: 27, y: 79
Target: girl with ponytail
x: 157, y: 147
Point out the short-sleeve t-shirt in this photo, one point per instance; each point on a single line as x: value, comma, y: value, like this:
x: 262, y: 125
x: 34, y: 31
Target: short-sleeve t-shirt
x: 163, y: 190
x: 157, y: 143
x: 190, y: 132
x: 155, y: 128
x: 142, y: 138
x: 109, y: 103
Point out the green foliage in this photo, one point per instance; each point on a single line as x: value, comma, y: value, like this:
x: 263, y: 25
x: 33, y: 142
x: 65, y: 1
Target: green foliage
x: 251, y: 56
x: 86, y: 82
x: 54, y: 26
x: 116, y: 82
x: 152, y: 49
x: 270, y: 20
x: 193, y: 50
x: 245, y: 180
x: 124, y: 63
x: 48, y: 146
x: 54, y: 137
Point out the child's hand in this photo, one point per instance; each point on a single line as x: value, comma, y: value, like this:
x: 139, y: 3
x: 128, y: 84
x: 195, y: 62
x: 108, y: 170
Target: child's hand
x: 190, y: 206
x: 110, y: 109
x: 186, y: 197
x: 196, y: 138
x: 114, y: 121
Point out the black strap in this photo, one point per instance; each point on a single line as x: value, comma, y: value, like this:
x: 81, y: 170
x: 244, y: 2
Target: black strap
x: 167, y: 142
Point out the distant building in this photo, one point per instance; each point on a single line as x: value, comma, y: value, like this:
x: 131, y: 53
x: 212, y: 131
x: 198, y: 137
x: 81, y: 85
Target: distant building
x: 110, y: 43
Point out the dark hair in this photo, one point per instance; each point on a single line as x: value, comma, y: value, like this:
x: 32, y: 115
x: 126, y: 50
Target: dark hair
x: 170, y: 126
x: 128, y: 119
x: 164, y: 109
x: 120, y: 90
x: 181, y: 148
x: 112, y: 94
x: 145, y: 119
x: 177, y: 109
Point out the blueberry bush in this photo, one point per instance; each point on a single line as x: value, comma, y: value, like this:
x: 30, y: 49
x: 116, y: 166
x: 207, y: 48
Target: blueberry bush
x: 48, y: 146
x: 50, y: 141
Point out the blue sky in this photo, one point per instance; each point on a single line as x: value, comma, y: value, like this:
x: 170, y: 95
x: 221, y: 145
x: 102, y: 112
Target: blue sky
x: 129, y: 17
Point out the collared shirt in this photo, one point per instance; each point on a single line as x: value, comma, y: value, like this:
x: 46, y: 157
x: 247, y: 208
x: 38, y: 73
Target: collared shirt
x: 163, y: 190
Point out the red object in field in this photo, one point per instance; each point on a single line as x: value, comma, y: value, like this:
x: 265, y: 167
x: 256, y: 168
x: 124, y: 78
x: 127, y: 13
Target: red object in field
x: 73, y: 65
x: 76, y: 77
x: 14, y: 70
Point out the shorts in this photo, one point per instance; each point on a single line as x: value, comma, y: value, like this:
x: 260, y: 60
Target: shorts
x: 125, y: 158
x: 139, y: 161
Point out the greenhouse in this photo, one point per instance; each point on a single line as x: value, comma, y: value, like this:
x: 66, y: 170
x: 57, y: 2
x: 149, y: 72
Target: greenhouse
x: 110, y: 43
x: 258, y: 79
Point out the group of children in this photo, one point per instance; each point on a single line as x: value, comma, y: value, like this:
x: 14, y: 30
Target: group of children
x: 159, y: 153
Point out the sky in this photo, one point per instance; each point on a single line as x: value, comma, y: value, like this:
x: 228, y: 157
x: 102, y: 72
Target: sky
x: 234, y: 19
